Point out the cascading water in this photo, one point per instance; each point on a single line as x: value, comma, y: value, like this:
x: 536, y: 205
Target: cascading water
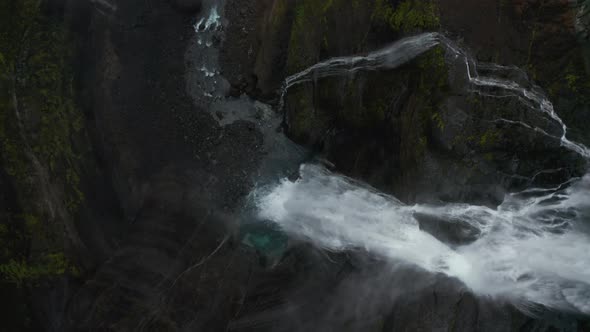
x: 531, y: 249
x: 389, y: 57
x: 407, y: 49
x: 534, y: 97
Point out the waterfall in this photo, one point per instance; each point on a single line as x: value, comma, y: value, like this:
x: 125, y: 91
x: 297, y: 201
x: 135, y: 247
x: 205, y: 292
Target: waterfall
x: 532, y: 249
x: 502, y: 87
x: 407, y: 49
x: 390, y: 57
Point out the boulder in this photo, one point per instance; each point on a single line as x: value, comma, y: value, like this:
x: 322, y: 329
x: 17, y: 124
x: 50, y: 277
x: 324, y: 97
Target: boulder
x: 447, y: 229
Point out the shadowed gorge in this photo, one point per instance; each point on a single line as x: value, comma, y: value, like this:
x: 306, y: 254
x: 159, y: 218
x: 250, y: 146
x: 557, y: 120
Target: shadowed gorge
x: 294, y: 165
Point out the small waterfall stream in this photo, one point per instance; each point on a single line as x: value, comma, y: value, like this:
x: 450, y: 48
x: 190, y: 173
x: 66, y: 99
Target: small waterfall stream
x: 407, y: 49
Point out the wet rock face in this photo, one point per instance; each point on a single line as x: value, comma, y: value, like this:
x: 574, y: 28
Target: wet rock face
x: 538, y: 36
x: 188, y: 6
x: 401, y: 130
x: 503, y: 31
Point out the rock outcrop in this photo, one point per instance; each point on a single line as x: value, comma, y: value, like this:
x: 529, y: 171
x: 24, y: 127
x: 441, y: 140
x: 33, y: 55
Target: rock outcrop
x: 414, y: 131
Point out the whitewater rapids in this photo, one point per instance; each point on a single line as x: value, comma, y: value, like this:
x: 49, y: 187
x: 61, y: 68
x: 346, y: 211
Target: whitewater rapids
x: 532, y: 250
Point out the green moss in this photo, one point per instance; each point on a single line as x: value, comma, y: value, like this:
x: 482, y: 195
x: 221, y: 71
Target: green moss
x: 438, y: 121
x: 309, y: 31
x: 490, y: 137
x: 571, y: 80
x: 328, y: 4
x: 574, y: 83
x: 28, y: 254
x: 303, y: 44
x: 433, y: 70
x: 409, y: 16
x: 489, y: 156
x: 364, y: 101
x: 298, y: 58
x: 422, y: 144
x: 431, y: 85
x: 301, y: 120
x: 38, y: 124
x: 278, y: 14
x: 20, y: 272
x: 43, y: 87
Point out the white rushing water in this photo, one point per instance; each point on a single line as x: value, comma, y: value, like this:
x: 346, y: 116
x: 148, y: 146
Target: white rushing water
x: 532, y: 249
x: 503, y: 87
x: 529, y: 249
x: 390, y: 57
x: 203, y: 56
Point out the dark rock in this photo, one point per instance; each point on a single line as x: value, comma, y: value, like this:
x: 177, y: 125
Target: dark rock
x: 450, y: 230
x: 411, y: 131
x: 188, y: 6
x: 253, y: 49
x: 539, y: 36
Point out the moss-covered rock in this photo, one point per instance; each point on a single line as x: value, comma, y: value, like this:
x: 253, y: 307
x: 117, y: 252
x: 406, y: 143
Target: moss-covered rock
x: 42, y: 139
x: 408, y: 16
x: 543, y: 37
x: 363, y: 119
x: 401, y: 129
x: 339, y: 27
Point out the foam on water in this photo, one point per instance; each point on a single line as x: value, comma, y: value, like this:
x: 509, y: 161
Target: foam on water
x: 530, y: 250
x: 212, y: 22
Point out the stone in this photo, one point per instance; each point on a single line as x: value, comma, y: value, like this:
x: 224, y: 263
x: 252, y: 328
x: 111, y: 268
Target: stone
x: 450, y: 230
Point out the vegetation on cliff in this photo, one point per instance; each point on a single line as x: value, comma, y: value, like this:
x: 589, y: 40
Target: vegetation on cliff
x: 361, y: 101
x: 39, y: 124
x: 307, y: 45
x: 408, y: 16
